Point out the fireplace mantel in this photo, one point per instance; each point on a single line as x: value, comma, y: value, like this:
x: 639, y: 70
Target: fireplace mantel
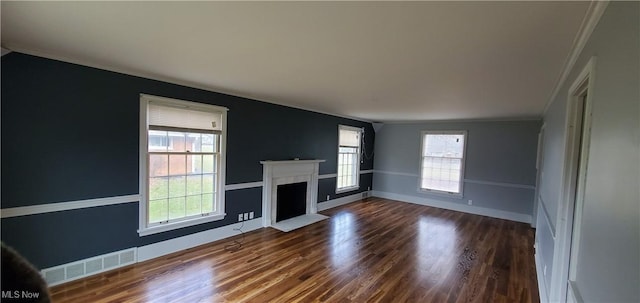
x: 285, y: 172
x: 285, y: 162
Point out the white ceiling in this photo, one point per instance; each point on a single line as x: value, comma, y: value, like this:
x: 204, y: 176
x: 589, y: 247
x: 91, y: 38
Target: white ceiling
x: 377, y: 61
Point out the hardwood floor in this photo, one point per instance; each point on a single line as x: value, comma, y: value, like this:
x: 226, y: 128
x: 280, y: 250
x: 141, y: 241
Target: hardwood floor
x: 375, y: 250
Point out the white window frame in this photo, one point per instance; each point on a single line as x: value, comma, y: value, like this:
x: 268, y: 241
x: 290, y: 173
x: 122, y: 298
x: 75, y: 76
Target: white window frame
x: 144, y: 228
x: 357, y: 166
x: 423, y: 135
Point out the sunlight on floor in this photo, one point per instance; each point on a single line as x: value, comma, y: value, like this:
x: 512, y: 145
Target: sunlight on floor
x: 189, y: 278
x: 343, y: 240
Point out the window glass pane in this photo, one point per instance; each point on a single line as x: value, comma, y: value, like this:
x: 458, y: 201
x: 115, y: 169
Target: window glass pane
x: 158, y: 140
x: 182, y: 160
x: 209, y: 142
x: 177, y: 165
x: 158, y: 188
x: 193, y: 205
x: 208, y: 164
x: 194, y: 142
x: 177, y: 186
x: 158, y: 210
x: 194, y: 164
x: 208, y: 183
x: 177, y: 142
x: 194, y: 185
x: 207, y: 203
x: 348, y: 150
x: 158, y: 165
x: 176, y: 207
x: 450, y: 146
x: 442, y: 162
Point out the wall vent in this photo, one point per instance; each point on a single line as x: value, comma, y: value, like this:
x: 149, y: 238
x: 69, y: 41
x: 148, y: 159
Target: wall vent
x: 365, y: 194
x: 83, y: 268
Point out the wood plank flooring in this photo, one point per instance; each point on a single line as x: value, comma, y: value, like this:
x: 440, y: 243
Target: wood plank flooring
x: 374, y: 250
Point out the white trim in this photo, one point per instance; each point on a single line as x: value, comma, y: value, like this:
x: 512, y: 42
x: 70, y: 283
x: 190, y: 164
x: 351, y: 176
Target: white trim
x: 145, y: 100
x: 4, y: 51
x: 539, y: 163
x: 488, y: 212
x: 591, y: 18
x: 386, y: 172
x: 542, y: 284
x: 159, y: 249
x: 573, y: 295
x: 79, y: 204
x: 573, y: 180
x: 347, y: 189
x: 545, y: 212
x: 510, y: 119
x: 340, y: 201
x: 327, y: 176
x: 514, y: 185
x: 272, y: 162
x: 360, y: 131
x: 423, y: 135
x: 63, y: 206
x: 243, y: 185
x: 142, y: 162
x: 179, y: 224
x: 276, y: 173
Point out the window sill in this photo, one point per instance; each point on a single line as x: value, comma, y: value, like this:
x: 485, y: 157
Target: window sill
x: 347, y: 189
x: 181, y: 224
x: 440, y: 193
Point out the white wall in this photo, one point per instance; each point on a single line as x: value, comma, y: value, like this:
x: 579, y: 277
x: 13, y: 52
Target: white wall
x: 608, y: 265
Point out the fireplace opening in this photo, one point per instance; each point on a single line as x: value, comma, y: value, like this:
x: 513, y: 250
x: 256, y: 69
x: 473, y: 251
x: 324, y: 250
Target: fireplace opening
x: 291, y: 201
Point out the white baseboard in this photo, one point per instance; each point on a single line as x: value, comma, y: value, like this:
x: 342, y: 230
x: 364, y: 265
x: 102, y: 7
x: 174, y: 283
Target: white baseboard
x: 573, y: 295
x: 83, y: 268
x: 159, y: 249
x: 341, y: 201
x: 488, y: 212
x: 542, y: 285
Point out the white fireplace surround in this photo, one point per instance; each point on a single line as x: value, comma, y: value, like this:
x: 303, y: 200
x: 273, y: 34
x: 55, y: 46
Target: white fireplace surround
x: 287, y: 172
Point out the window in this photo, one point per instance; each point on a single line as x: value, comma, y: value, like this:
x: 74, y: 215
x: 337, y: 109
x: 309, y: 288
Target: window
x: 348, y: 158
x: 442, y: 163
x: 182, y: 160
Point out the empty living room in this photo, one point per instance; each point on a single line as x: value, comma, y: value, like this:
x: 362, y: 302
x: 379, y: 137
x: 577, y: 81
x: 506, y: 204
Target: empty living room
x: 320, y: 151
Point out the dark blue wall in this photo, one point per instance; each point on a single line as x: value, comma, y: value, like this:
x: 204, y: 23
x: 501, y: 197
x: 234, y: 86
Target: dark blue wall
x: 70, y: 132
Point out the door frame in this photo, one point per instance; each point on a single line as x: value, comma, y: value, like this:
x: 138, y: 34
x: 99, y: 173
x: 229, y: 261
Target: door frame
x: 576, y: 157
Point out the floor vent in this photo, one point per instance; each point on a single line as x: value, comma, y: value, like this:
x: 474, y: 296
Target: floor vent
x: 87, y: 267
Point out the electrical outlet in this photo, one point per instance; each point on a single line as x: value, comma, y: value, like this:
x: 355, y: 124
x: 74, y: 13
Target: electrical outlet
x: 240, y: 217
x: 544, y: 271
x: 328, y: 198
x: 369, y: 188
x: 246, y: 216
x: 251, y: 215
x: 470, y: 202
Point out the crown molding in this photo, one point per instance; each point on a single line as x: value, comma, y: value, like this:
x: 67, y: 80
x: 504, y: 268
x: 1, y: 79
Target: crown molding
x: 591, y: 18
x: 5, y: 51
